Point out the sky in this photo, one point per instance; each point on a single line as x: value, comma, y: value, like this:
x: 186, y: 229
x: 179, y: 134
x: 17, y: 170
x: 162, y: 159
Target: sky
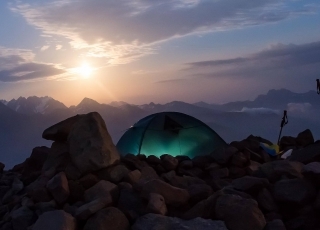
x: 142, y: 51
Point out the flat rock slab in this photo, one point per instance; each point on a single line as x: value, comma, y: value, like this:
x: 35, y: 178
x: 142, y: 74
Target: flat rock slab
x: 157, y: 222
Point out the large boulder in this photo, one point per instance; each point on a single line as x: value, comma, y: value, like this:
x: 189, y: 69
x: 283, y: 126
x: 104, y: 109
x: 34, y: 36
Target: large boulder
x: 110, y: 218
x: 102, y: 189
x: 173, y: 196
x: 157, y: 222
x: 61, y: 130
x: 223, y: 155
x: 90, y: 145
x: 305, y: 138
x: 55, y: 220
x: 250, y: 184
x: 59, y: 188
x: 22, y: 218
x: 239, y: 213
x: 58, y: 157
x: 294, y: 192
x: 86, y: 210
x: 306, y: 155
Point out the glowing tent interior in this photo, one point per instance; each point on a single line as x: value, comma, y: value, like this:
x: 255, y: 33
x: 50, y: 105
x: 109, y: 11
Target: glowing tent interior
x: 170, y: 133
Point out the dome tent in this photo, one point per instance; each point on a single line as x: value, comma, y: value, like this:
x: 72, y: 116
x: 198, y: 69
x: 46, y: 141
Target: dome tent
x: 170, y: 133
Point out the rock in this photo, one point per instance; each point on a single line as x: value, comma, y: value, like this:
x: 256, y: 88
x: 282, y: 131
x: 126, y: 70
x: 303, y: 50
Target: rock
x: 124, y: 185
x: 43, y: 207
x: 76, y: 191
x: 296, y: 192
x: 61, y: 130
x: 110, y: 218
x: 35, y: 162
x: 169, y: 162
x: 40, y: 195
x: 306, y: 155
x: 305, y: 138
x: 249, y: 184
x: 59, y: 188
x: 273, y: 171
x: 16, y: 187
x: 287, y: 142
x: 219, y: 173
x: 133, y: 162
x: 157, y: 222
x: 266, y: 201
x: 199, y: 192
x: 58, y: 157
x: 186, y: 164
x: 86, y: 210
x: 156, y: 204
x: 3, y: 210
x: 27, y: 202
x: 173, y: 196
x: 181, y: 182
x: 153, y: 160
x: 253, y: 167
x: 239, y: 213
x: 131, y: 204
x: 102, y: 189
x: 275, y: 225
x: 202, y: 161
x: 90, y: 145
x: 223, y: 155
x: 133, y: 177
x: 236, y: 172
x: 147, y: 174
x: 239, y: 159
x: 114, y: 174
x: 2, y: 166
x: 72, y: 172
x: 22, y: 218
x: 88, y: 180
x: 194, y: 172
x: 55, y: 220
x: 312, y: 168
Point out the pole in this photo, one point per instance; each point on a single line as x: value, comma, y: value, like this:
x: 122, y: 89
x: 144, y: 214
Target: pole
x: 284, y: 121
x: 318, y: 86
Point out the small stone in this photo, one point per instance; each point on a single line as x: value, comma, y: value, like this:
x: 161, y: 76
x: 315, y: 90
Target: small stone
x: 22, y: 218
x: 88, y: 180
x: 102, y: 189
x: 86, y: 210
x: 169, y: 162
x: 133, y: 176
x: 156, y: 204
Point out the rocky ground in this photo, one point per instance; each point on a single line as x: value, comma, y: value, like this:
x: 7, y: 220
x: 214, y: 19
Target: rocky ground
x: 82, y: 183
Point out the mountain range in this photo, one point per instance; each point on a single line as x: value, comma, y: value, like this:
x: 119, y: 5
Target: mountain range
x: 22, y: 120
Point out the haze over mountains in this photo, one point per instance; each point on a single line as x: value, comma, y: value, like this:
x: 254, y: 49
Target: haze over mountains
x: 23, y: 120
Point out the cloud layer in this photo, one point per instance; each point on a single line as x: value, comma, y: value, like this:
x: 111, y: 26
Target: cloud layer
x: 279, y: 63
x: 18, y: 65
x: 124, y: 30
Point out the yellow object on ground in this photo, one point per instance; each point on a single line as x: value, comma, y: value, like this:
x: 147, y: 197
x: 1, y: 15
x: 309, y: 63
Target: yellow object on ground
x: 272, y: 150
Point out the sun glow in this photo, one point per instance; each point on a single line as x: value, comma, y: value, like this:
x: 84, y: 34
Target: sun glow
x: 85, y: 70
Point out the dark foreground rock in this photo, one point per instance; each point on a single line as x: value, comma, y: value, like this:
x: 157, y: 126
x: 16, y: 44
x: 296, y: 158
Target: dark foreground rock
x: 81, y: 183
x: 155, y: 222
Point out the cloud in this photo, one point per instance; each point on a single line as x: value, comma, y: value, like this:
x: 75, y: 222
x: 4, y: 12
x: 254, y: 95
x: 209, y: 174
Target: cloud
x: 261, y: 110
x: 278, y: 63
x: 299, y: 107
x: 125, y: 30
x: 43, y: 48
x: 18, y: 65
x: 58, y: 47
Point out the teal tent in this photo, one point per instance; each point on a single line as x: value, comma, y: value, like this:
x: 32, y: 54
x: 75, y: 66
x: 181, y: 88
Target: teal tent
x: 170, y: 133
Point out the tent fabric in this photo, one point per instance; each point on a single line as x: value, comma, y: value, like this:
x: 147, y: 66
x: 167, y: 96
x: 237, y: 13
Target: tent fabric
x: 170, y: 133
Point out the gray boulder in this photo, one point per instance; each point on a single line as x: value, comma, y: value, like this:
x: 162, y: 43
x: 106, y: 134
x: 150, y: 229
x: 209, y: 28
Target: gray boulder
x: 294, y: 191
x: 173, y: 196
x: 86, y: 210
x: 90, y: 145
x: 239, y: 213
x: 55, y: 220
x: 102, y: 189
x: 110, y: 218
x: 157, y: 204
x: 159, y: 222
x: 61, y: 130
x: 22, y: 218
x: 306, y: 155
x: 59, y: 188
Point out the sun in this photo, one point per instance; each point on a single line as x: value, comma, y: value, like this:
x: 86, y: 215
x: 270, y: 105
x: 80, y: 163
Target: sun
x: 85, y: 70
